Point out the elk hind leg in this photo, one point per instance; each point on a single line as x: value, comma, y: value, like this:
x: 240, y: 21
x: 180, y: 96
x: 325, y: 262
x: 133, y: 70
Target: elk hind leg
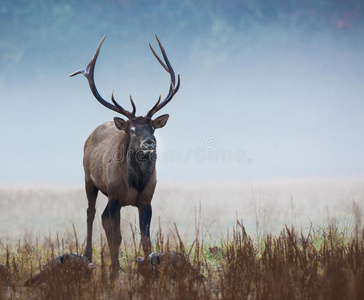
x: 91, y: 192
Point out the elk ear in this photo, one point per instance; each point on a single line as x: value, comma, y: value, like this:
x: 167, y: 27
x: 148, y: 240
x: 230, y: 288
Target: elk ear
x: 120, y: 123
x: 160, y: 121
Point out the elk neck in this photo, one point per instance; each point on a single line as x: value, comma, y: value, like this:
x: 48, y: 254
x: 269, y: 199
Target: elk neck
x: 140, y: 166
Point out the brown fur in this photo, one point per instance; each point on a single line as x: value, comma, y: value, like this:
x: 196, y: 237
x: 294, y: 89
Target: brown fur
x: 112, y: 167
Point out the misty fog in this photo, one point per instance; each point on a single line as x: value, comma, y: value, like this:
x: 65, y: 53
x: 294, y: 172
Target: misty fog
x: 267, y: 89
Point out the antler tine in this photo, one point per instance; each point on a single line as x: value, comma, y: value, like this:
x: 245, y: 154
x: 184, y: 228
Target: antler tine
x: 89, y: 74
x: 172, y: 90
x: 150, y: 112
x: 121, y: 110
x: 133, y: 105
x: 170, y: 69
x: 157, y: 57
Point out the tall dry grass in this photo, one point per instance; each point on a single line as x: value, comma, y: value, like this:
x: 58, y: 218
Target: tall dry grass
x: 319, y: 255
x: 325, y: 263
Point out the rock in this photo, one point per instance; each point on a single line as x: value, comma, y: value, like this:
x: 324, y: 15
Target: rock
x: 171, y: 263
x: 69, y: 267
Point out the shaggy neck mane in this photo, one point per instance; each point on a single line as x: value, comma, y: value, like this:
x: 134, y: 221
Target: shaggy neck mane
x: 139, y: 167
x: 139, y: 170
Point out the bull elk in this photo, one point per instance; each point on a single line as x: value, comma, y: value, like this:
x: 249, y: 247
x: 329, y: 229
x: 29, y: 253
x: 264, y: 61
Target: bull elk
x: 119, y: 160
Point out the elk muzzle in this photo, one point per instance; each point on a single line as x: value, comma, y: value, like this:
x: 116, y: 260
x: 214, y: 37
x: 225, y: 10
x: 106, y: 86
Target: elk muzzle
x: 148, y: 145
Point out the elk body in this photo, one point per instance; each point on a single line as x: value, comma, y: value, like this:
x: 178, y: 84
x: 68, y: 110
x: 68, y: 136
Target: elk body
x: 119, y: 160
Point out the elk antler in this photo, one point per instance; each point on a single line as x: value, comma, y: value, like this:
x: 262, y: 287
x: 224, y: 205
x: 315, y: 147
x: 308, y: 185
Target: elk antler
x: 89, y: 74
x: 172, y: 89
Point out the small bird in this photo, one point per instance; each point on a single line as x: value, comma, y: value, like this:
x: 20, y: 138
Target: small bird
x: 171, y: 263
x: 66, y: 267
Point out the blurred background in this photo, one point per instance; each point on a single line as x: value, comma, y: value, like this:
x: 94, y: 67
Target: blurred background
x: 269, y: 89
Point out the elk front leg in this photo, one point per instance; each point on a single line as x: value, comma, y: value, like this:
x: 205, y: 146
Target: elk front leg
x: 91, y: 192
x: 111, y: 223
x: 145, y: 216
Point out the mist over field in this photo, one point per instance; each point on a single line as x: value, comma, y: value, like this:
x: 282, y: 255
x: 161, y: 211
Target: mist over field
x: 264, y: 207
x: 267, y: 125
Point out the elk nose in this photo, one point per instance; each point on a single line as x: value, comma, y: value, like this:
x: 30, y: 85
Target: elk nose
x: 148, y: 144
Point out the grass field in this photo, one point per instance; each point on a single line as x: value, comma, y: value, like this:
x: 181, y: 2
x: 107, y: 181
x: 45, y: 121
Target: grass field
x: 277, y: 239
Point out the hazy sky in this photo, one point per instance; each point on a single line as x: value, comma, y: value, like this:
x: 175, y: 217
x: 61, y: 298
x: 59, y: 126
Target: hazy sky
x: 268, y: 88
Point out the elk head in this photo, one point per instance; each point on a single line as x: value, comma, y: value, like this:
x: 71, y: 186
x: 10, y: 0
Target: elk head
x: 140, y: 130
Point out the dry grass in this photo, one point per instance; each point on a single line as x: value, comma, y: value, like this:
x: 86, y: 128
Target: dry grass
x: 323, y: 258
x: 324, y: 264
